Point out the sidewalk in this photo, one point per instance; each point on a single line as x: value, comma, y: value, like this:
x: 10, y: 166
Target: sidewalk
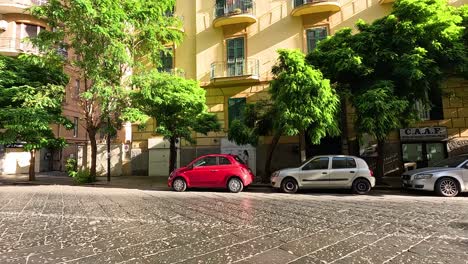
x: 137, y: 182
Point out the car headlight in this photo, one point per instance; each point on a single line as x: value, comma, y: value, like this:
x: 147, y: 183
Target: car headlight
x: 422, y: 176
x: 275, y: 174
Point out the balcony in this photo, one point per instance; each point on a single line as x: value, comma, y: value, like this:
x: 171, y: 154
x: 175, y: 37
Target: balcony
x: 386, y: 1
x: 14, y: 46
x: 238, y: 71
x: 18, y: 6
x: 234, y: 12
x: 306, y: 7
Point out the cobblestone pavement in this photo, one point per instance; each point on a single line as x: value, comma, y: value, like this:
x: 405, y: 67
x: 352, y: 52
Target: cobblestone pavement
x: 66, y: 224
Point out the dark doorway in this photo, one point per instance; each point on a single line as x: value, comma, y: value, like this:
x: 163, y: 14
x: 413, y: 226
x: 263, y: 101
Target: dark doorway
x: 327, y: 146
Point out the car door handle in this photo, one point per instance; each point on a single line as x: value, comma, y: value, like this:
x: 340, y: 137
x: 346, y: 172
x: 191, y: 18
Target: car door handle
x: 324, y: 173
x: 352, y: 172
x: 213, y: 170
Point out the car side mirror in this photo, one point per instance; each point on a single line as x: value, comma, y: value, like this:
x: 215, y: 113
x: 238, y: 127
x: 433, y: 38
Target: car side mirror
x: 190, y: 167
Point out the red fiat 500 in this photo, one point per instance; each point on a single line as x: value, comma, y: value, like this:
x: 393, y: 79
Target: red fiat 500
x: 212, y: 171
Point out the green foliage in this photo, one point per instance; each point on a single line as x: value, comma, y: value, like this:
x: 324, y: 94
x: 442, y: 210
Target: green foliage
x: 177, y: 104
x: 31, y: 95
x: 303, y: 99
x: 410, y: 52
x: 378, y: 110
x: 257, y: 120
x: 70, y: 166
x: 109, y: 41
x: 81, y: 176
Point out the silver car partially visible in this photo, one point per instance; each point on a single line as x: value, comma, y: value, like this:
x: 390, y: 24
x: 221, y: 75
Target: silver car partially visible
x: 449, y: 177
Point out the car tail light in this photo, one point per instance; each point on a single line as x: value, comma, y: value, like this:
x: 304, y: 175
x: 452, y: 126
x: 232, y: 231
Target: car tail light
x: 371, y: 173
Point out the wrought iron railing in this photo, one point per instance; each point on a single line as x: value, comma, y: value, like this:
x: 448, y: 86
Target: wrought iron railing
x: 224, y: 8
x: 298, y: 3
x: 234, y: 68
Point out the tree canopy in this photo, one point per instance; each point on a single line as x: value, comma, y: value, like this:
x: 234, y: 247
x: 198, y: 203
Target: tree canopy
x: 106, y: 41
x: 31, y: 94
x: 301, y: 100
x: 400, y: 59
x: 177, y: 104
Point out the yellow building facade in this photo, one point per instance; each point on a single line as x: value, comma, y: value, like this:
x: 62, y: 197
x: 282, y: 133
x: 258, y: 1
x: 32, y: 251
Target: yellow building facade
x: 230, y: 47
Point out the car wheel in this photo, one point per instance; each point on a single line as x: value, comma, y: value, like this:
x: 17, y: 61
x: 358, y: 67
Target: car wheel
x: 447, y: 187
x: 179, y: 185
x: 361, y: 186
x: 289, y: 185
x: 235, y: 185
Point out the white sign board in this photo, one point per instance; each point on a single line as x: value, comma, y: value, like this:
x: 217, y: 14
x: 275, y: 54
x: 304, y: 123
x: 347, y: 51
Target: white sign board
x: 423, y: 134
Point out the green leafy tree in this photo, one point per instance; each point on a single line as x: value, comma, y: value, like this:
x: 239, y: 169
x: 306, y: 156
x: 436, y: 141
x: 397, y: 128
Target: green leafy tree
x: 31, y: 94
x: 178, y: 105
x: 403, y: 57
x: 107, y: 41
x: 301, y: 100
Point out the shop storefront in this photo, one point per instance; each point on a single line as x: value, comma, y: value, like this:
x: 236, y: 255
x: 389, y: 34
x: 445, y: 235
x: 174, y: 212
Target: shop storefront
x: 422, y: 147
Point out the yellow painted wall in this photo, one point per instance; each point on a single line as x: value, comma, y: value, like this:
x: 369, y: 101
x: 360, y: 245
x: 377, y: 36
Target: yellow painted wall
x: 275, y: 28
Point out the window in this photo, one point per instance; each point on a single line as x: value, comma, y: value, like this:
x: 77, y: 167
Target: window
x: 27, y: 31
x: 167, y: 61
x: 235, y: 57
x: 351, y: 163
x: 236, y: 108
x: 317, y: 164
x: 314, y: 35
x: 77, y: 87
x: 343, y: 163
x: 224, y: 161
x: 75, y: 127
x: 424, y: 113
x: 208, y: 161
x: 339, y: 163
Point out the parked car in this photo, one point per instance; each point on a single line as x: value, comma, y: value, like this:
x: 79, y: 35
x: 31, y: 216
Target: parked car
x: 326, y: 172
x: 212, y: 171
x: 447, y: 177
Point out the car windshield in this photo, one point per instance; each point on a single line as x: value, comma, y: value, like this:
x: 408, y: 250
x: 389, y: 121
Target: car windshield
x: 238, y: 159
x: 451, y: 162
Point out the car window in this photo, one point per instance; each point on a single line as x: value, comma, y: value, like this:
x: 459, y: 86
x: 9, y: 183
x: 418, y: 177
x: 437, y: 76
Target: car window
x: 317, y: 164
x: 350, y: 163
x: 239, y: 160
x: 339, y: 163
x: 224, y: 161
x: 208, y: 161
x: 343, y: 163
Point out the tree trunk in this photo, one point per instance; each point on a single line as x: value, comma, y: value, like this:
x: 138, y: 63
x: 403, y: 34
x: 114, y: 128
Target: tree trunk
x: 32, y: 165
x: 172, y: 155
x: 92, y: 140
x: 302, y: 147
x: 271, y: 150
x: 380, y: 159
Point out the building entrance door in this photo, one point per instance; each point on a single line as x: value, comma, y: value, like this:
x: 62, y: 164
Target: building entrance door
x: 424, y: 154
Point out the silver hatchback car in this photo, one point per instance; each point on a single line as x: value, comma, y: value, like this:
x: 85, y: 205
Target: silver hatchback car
x: 332, y: 172
x: 447, y: 178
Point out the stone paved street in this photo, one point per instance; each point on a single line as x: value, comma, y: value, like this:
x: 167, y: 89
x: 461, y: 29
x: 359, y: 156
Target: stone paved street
x: 66, y: 224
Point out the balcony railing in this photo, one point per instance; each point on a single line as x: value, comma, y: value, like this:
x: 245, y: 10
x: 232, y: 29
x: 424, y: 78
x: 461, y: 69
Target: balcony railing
x: 16, y: 45
x: 298, y: 3
x: 235, y: 68
x: 234, y: 7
